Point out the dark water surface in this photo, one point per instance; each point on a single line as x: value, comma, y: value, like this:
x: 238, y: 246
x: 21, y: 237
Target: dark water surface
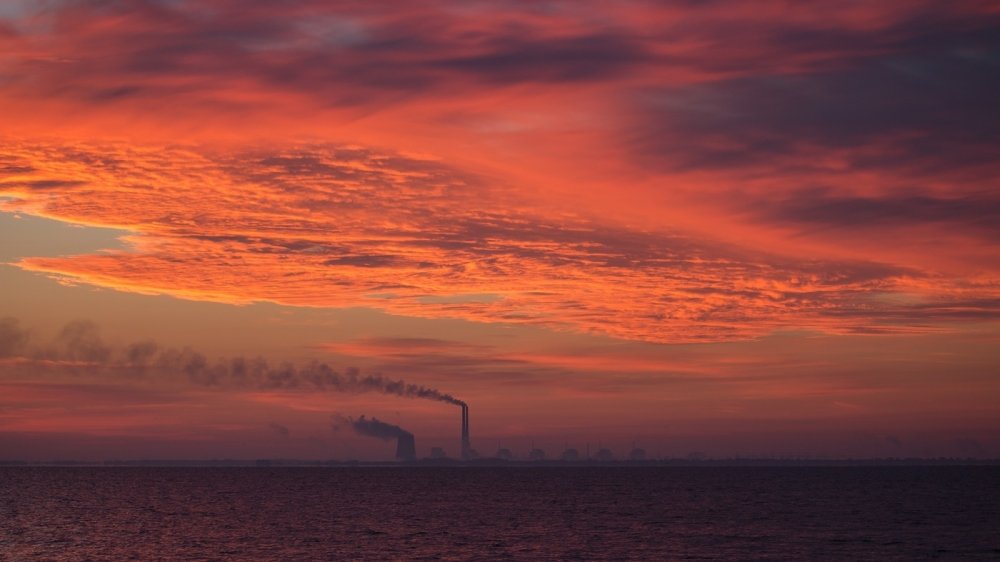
x: 380, y: 513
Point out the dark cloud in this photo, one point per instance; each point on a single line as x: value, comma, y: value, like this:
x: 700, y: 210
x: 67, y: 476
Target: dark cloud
x: 920, y: 29
x: 958, y: 309
x: 41, y: 184
x: 344, y: 53
x: 513, y: 60
x: 934, y: 99
x: 825, y: 208
x: 367, y: 261
x: 372, y: 57
x: 16, y: 169
x: 899, y: 317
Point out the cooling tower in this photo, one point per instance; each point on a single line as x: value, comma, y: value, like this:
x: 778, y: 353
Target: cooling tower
x: 406, y: 448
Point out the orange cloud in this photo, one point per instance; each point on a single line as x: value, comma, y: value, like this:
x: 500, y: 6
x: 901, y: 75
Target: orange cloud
x: 651, y: 172
x: 334, y: 226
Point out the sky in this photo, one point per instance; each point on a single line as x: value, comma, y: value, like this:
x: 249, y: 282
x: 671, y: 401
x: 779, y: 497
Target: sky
x: 712, y: 227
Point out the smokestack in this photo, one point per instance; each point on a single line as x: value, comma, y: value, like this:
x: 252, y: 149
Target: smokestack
x: 466, y: 445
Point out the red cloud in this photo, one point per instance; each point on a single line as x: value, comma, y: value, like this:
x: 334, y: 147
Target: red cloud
x: 333, y: 226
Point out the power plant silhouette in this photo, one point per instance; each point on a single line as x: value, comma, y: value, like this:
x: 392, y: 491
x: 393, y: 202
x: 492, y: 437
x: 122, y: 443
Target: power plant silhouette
x: 406, y: 448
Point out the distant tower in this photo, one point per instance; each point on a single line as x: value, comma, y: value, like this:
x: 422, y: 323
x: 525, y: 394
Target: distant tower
x: 468, y: 453
x: 466, y: 445
x: 406, y: 448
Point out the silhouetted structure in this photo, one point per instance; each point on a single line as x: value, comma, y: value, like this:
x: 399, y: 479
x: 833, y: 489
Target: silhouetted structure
x: 536, y: 455
x: 438, y: 453
x: 604, y: 455
x: 406, y: 448
x: 467, y: 451
x: 571, y: 455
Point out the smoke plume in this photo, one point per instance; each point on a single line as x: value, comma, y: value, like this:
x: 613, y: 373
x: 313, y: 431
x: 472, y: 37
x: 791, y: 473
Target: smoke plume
x: 406, y: 449
x: 373, y: 427
x: 279, y: 429
x: 12, y: 337
x: 79, y: 350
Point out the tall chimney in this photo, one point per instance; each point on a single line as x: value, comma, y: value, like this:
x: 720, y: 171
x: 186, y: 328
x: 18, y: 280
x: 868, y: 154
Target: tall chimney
x: 466, y: 446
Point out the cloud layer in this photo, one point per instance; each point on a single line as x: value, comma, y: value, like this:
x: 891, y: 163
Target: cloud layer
x: 333, y: 226
x: 666, y: 172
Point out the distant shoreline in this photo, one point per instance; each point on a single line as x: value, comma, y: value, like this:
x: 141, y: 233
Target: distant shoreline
x: 495, y: 463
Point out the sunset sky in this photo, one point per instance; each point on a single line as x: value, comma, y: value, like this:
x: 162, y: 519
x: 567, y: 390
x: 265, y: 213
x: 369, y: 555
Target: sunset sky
x: 734, y: 228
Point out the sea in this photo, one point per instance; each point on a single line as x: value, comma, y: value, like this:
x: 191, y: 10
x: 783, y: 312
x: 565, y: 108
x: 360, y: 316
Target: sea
x: 500, y: 513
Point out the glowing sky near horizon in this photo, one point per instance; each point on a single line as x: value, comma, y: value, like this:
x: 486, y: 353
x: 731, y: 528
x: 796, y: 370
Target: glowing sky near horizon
x: 762, y: 228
